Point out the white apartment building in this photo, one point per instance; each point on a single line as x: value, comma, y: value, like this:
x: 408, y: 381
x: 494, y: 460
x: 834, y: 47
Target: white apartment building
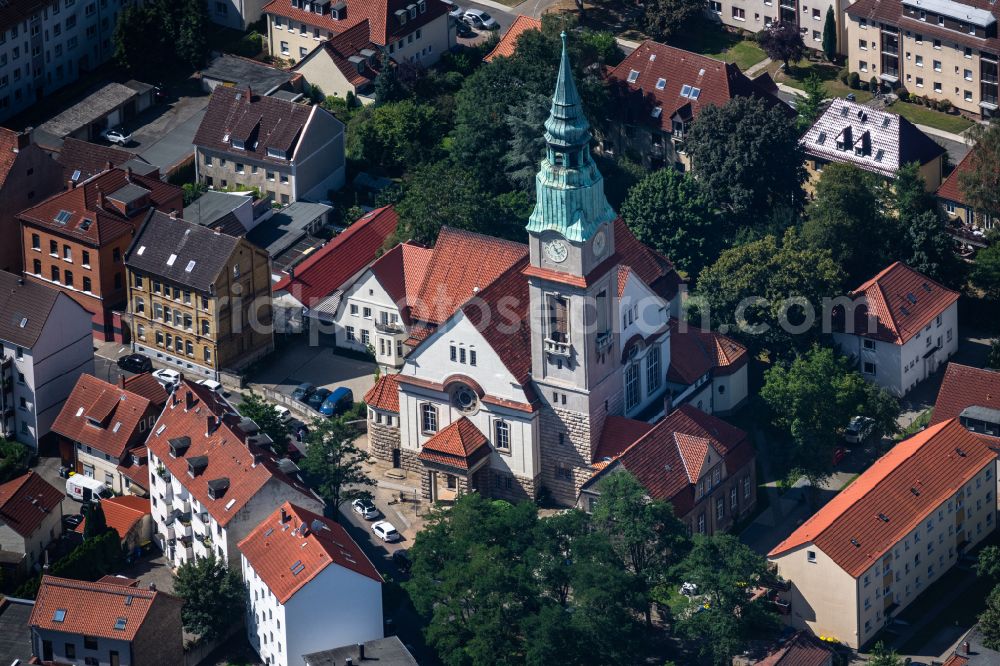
x: 309, y: 586
x: 911, y: 328
x: 890, y: 534
x: 45, y: 46
x: 46, y: 343
x: 212, y: 477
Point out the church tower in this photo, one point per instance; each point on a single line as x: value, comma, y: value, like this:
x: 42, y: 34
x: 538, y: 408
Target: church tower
x: 573, y: 278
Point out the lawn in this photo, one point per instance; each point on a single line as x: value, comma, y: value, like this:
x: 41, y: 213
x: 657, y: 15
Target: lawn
x: 714, y: 42
x: 921, y: 115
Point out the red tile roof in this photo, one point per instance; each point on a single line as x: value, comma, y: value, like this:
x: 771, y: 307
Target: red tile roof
x: 401, y: 273
x: 964, y: 386
x: 381, y: 15
x: 618, y: 434
x: 122, y: 513
x: 508, y: 43
x: 801, y: 650
x: 8, y: 152
x: 102, y: 415
x: 26, y: 501
x: 384, y: 395
x: 956, y: 660
x: 906, y: 485
x: 350, y: 43
x: 92, y: 217
x: 951, y: 188
x: 274, y: 547
x: 145, y: 384
x: 327, y: 269
x: 695, y: 352
x: 459, y: 445
x: 718, y: 82
x: 138, y: 474
x: 903, y: 301
x: 649, y: 265
x: 462, y: 264
x: 119, y: 580
x: 501, y: 315
x: 227, y: 449
x: 92, y: 609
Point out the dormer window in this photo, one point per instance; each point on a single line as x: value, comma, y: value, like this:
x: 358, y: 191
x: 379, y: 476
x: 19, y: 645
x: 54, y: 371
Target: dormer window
x: 238, y: 144
x: 412, y: 9
x: 422, y: 6
x: 401, y: 16
x: 218, y: 487
x: 278, y: 153
x: 197, y: 465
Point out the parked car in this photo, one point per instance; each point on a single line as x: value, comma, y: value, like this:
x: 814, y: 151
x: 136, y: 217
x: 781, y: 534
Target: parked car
x: 71, y: 521
x: 211, y: 385
x: 366, y: 509
x: 169, y: 379
x: 317, y: 397
x: 859, y: 429
x: 117, y: 135
x: 477, y: 18
x: 337, y: 402
x: 83, y: 488
x: 385, y: 531
x: 401, y: 558
x: 137, y: 363
x: 303, y: 391
x: 283, y: 413
x: 839, y: 454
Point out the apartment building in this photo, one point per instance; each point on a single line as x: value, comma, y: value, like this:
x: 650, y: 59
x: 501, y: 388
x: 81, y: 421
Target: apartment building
x: 972, y: 395
x: 75, y: 241
x: 47, y: 45
x: 46, y: 343
x: 27, y: 175
x: 890, y: 534
x: 907, y: 327
x: 753, y: 16
x: 112, y: 621
x: 106, y: 425
x: 940, y: 49
x: 309, y: 586
x: 875, y: 141
x: 286, y: 150
x: 30, y: 519
x: 213, y: 478
x: 413, y: 31
x: 346, y: 63
x: 198, y: 299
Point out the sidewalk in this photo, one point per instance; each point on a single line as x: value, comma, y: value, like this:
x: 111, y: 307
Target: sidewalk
x: 760, y: 66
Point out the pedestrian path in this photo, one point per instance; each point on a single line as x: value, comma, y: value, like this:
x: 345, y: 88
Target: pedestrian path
x: 752, y: 70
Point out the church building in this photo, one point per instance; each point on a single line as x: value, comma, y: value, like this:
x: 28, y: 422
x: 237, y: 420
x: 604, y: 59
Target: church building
x: 518, y: 354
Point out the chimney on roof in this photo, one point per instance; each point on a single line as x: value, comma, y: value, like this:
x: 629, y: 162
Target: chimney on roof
x: 121, y: 381
x: 284, y: 516
x: 152, y: 587
x: 348, y: 662
x: 249, y: 94
x: 24, y: 139
x: 70, y: 184
x: 173, y: 215
x: 128, y: 173
x: 304, y: 530
x: 361, y: 651
x: 188, y: 400
x: 211, y: 425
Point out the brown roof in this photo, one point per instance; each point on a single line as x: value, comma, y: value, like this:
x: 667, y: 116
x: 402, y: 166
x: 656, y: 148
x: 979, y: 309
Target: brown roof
x: 91, y: 159
x: 617, y: 435
x: 122, y: 513
x: 94, y: 609
x: 401, y: 273
x: 341, y: 47
x: 24, y: 309
x: 695, y: 352
x: 905, y: 485
x: 102, y: 415
x: 902, y: 301
x: 227, y: 449
x: 460, y: 445
x: 716, y: 81
x: 381, y: 15
x: 652, y: 267
x: 508, y: 43
x: 288, y: 554
x: 261, y: 122
x: 145, y: 384
x: 26, y: 500
x: 956, y: 660
x: 891, y: 13
x: 384, y: 395
x: 801, y: 650
x: 964, y: 386
x: 119, y: 580
x: 951, y: 188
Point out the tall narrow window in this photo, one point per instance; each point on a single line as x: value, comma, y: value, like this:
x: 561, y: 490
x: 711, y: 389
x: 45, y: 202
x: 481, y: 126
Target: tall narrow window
x: 601, y: 302
x: 653, y: 370
x: 428, y: 418
x: 558, y: 322
x: 501, y: 439
x: 631, y: 386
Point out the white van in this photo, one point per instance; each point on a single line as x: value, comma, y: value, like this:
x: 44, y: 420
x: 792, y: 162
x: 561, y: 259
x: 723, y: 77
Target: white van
x: 283, y: 413
x: 86, y: 489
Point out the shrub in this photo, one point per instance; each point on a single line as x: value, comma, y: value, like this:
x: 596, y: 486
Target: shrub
x: 945, y: 106
x: 854, y: 81
x: 903, y: 94
x: 873, y: 85
x: 844, y: 75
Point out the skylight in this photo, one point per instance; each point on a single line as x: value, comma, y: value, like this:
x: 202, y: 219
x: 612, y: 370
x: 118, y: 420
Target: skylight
x: 141, y: 250
x: 656, y: 112
x: 171, y: 259
x: 633, y: 75
x: 23, y: 322
x: 160, y: 430
x: 79, y: 412
x: 821, y: 139
x: 652, y: 57
x: 120, y: 623
x: 62, y: 217
x: 911, y: 298
x: 695, y: 92
x: 230, y: 503
x: 189, y: 267
x: 701, y: 72
x: 685, y: 90
x: 118, y: 426
x: 879, y: 154
x: 661, y: 84
x: 76, y: 176
x: 128, y: 600
x: 59, y: 615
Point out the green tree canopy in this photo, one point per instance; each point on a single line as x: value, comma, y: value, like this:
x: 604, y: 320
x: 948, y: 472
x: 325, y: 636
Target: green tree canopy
x: 667, y: 212
x: 157, y: 36
x: 810, y: 105
x: 212, y: 594
x: 985, y: 271
x: 993, y: 358
x: 883, y: 656
x: 930, y: 249
x: 980, y: 181
x: 95, y: 522
x: 394, y: 136
x: 664, y: 19
x: 830, y: 35
x: 988, y: 563
x: 14, y: 459
x: 334, y: 466
x: 989, y: 620
x: 782, y: 41
x: 260, y: 411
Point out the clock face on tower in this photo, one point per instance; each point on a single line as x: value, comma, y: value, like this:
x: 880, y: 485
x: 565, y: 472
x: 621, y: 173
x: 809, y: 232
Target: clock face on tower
x: 556, y: 251
x: 599, y: 244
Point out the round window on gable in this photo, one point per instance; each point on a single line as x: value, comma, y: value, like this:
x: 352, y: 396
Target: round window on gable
x: 465, y: 399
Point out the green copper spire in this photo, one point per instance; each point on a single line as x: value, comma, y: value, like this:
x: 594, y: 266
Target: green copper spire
x: 569, y: 188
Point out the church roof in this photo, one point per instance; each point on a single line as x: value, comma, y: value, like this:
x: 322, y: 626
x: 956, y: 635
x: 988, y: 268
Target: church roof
x: 695, y: 352
x: 460, y: 445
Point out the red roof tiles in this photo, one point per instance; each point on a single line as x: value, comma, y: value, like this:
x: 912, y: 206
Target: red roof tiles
x: 951, y: 188
x: 501, y: 315
x: 350, y: 43
x: 93, y: 609
x: 102, y: 416
x: 460, y: 445
x: 384, y: 395
x: 401, y: 273
x: 618, y: 434
x: 327, y: 269
x: 508, y: 43
x: 274, y: 547
x: 121, y: 514
x: 695, y: 352
x: 381, y: 15
x: 935, y: 463
x: 649, y: 265
x: 801, y: 650
x: 964, y: 386
x: 145, y: 384
x: 903, y: 301
x: 26, y: 501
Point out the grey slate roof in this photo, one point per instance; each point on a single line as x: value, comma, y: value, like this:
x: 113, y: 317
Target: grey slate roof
x: 241, y: 72
x: 102, y: 101
x: 388, y: 651
x: 285, y: 228
x: 892, y: 140
x: 211, y: 206
x: 199, y: 254
x: 15, y: 634
x: 24, y: 309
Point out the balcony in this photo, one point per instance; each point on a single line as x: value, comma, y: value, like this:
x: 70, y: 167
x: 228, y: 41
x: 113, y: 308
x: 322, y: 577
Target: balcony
x: 389, y: 327
x: 604, y: 341
x: 557, y: 348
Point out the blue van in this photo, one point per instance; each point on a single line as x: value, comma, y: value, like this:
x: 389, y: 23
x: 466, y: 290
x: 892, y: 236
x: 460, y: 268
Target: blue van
x: 337, y: 402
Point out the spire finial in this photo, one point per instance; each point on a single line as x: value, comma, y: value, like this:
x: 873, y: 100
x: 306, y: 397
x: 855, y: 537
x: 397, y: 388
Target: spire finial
x: 566, y: 123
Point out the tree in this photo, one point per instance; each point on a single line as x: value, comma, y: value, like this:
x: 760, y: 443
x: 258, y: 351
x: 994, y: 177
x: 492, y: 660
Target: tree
x: 441, y: 194
x: 667, y: 212
x: 985, y: 271
x: 809, y: 106
x: 724, y: 569
x: 747, y: 158
x: 192, y: 29
x: 95, y: 523
x: 155, y: 36
x: 526, y: 121
x: 883, y: 656
x: 761, y: 293
x: 993, y: 358
x: 14, y: 459
x: 663, y: 19
x: 260, y: 411
x: 812, y: 400
x: 848, y: 207
x: 334, y: 466
x: 782, y: 41
x: 212, y: 594
x: 988, y: 563
x: 830, y: 35
x: 989, y: 620
x: 394, y: 136
x: 929, y: 249
x: 909, y: 196
x: 387, y: 86
x: 980, y: 179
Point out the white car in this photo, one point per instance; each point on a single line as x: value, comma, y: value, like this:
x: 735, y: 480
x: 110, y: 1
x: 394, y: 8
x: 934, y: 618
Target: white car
x: 366, y: 509
x: 859, y: 429
x: 477, y: 18
x: 169, y: 379
x: 384, y: 530
x: 284, y: 413
x: 117, y: 135
x: 211, y: 385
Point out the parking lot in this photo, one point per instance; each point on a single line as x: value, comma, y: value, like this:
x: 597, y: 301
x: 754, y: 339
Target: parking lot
x: 320, y: 366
